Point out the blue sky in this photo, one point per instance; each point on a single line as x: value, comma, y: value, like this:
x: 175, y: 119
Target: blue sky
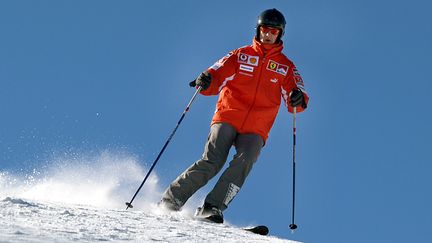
x: 78, y: 77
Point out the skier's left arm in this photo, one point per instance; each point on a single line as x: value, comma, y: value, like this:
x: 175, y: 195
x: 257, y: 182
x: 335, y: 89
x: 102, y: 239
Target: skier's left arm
x: 293, y: 91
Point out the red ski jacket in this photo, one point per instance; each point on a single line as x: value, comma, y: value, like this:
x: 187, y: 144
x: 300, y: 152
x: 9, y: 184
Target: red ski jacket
x: 251, y: 81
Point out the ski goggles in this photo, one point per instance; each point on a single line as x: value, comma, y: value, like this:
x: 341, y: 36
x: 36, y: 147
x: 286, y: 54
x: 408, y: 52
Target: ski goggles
x: 266, y: 29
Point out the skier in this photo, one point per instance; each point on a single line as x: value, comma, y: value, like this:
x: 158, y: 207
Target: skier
x: 250, y: 82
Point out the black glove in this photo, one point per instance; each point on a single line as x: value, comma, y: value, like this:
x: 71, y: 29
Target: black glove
x: 203, y: 80
x: 297, y: 98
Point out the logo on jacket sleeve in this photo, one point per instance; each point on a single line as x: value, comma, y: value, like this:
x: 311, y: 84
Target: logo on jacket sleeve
x: 221, y: 61
x: 276, y: 67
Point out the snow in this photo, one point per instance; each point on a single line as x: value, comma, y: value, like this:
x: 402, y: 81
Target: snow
x: 82, y: 200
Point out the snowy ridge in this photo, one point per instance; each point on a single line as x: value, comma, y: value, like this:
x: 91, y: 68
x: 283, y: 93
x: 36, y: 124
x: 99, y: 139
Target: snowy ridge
x: 26, y: 221
x: 83, y: 201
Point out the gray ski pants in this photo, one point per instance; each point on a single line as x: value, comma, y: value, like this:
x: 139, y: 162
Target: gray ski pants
x: 222, y: 136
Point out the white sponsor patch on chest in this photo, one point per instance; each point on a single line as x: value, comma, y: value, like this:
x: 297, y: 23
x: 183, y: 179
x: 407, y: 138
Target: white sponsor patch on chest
x: 246, y: 68
x: 277, y: 67
x: 248, y: 59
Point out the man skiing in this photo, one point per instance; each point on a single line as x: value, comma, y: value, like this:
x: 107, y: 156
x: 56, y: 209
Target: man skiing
x: 250, y: 82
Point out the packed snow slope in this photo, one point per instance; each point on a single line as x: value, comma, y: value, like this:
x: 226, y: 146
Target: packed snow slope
x: 82, y: 200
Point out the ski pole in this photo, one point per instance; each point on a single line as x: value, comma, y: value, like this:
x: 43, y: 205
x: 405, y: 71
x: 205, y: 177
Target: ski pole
x: 129, y: 204
x: 293, y: 226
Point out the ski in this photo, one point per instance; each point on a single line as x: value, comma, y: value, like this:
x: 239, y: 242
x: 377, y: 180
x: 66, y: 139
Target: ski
x: 260, y: 229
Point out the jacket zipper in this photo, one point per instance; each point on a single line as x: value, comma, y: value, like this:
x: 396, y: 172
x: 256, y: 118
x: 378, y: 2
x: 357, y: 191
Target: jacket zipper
x: 255, y: 95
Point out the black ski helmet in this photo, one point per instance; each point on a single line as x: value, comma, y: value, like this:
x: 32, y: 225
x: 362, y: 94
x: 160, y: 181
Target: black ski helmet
x: 272, y: 18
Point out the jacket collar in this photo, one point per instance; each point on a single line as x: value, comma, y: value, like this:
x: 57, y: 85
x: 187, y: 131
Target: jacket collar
x: 267, y: 49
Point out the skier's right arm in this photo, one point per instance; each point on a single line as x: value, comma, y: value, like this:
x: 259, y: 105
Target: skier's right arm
x: 220, y: 72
